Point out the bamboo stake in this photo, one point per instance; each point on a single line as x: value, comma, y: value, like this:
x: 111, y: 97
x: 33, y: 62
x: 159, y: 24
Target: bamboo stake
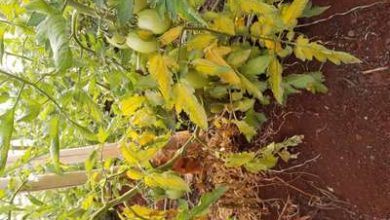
x: 79, y: 155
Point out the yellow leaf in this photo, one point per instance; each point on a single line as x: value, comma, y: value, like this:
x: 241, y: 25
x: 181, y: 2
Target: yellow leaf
x: 306, y: 50
x: 137, y: 212
x: 171, y: 35
x: 102, y: 135
x: 201, y: 41
x: 135, y: 156
x: 255, y: 6
x: 214, y: 54
x: 275, y: 71
x: 144, y: 117
x: 130, y: 104
x: 223, y: 24
x: 293, y: 12
x: 166, y: 180
x: 128, y: 155
x: 160, y: 72
x: 208, y: 68
x: 134, y: 174
x: 146, y: 138
x: 187, y: 102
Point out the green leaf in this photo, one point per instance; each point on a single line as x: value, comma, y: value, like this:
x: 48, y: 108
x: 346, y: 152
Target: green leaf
x: 2, y: 32
x: 32, y: 113
x: 40, y: 6
x: 248, y: 131
x: 206, y: 200
x: 124, y: 10
x: 4, y: 96
x: 54, y: 28
x: 54, y: 135
x: 313, y: 10
x: 34, y: 200
x: 256, y: 66
x: 254, y: 119
x: 252, y: 89
x: 311, y: 81
x: 184, y: 9
x: 184, y: 212
x: 264, y: 163
x: 239, y: 57
x: 102, y: 135
x: 167, y: 181
x: 6, y: 130
x: 239, y: 159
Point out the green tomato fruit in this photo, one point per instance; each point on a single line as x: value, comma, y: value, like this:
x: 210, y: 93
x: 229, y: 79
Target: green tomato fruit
x: 140, y: 45
x: 149, y: 19
x: 139, y: 5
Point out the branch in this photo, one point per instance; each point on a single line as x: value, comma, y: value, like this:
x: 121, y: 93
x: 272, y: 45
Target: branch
x: 123, y: 198
x: 45, y: 94
x: 89, y: 11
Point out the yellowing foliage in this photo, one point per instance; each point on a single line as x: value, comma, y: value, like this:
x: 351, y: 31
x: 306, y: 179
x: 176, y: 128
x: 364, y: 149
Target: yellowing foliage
x: 275, y: 71
x: 186, y: 101
x: 160, y: 72
x: 130, y: 104
x: 201, y: 41
x: 255, y: 6
x: 293, y: 12
x: 215, y: 54
x: 171, y: 35
x: 306, y: 50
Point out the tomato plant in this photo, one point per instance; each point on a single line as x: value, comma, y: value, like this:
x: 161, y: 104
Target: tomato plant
x: 135, y: 72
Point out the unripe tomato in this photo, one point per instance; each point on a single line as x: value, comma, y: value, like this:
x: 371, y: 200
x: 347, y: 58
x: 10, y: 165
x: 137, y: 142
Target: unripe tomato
x: 140, y: 45
x: 149, y: 19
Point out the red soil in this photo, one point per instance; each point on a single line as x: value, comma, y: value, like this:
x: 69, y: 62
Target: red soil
x: 350, y: 125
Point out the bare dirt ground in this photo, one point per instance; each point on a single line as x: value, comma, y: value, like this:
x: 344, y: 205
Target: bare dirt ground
x: 349, y: 127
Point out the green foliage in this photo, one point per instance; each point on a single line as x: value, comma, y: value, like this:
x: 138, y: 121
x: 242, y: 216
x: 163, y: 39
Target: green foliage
x: 265, y: 158
x: 135, y: 72
x: 7, y: 127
